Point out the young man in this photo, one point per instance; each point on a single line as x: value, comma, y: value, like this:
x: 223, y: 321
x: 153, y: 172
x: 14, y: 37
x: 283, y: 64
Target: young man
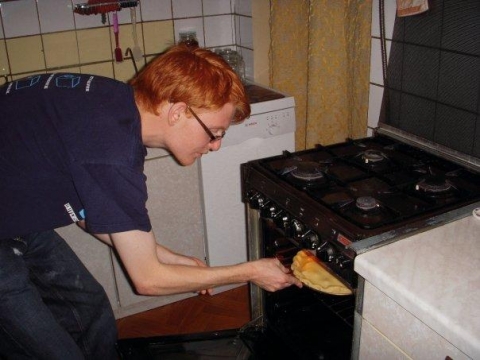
x: 72, y: 150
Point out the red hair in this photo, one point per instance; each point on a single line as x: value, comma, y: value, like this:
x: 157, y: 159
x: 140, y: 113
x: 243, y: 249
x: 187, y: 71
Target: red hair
x: 197, y: 77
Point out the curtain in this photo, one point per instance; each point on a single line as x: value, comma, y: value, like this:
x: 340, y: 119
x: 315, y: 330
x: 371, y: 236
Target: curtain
x: 320, y: 54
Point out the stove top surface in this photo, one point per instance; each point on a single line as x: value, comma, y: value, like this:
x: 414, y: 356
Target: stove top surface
x: 373, y: 184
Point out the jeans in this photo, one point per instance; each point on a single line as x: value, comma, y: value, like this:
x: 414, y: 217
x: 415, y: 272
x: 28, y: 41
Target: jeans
x: 51, y: 307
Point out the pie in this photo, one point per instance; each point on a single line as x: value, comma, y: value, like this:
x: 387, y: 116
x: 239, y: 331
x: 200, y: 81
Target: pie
x: 310, y: 271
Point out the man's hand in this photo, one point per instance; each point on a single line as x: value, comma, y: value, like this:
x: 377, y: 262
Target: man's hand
x: 273, y: 276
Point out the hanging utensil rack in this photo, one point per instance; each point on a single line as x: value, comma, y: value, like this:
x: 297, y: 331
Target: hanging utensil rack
x: 91, y: 8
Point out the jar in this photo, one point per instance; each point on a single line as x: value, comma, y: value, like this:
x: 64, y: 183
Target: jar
x: 235, y: 60
x: 189, y: 38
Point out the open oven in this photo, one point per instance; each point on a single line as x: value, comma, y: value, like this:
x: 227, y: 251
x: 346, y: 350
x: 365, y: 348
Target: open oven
x: 339, y: 201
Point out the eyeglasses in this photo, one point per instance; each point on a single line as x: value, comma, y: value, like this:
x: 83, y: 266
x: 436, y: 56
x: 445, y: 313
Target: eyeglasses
x: 212, y: 136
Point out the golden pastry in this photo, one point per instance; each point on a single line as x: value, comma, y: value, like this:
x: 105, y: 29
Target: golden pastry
x: 310, y: 271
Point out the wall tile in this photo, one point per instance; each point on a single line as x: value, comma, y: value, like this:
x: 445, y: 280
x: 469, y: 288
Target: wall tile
x: 390, y: 12
x: 243, y: 7
x: 94, y: 45
x: 245, y: 32
x: 20, y: 61
x: 21, y: 76
x: 88, y: 21
x: 55, y: 15
x: 187, y: 8
x: 20, y: 18
x: 4, y: 68
x: 376, y: 69
x: 236, y: 31
x: 73, y: 69
x: 374, y: 105
x: 376, y: 66
x: 219, y: 30
x: 125, y: 15
x: 124, y: 70
x: 61, y: 49
x: 215, y: 7
x: 156, y: 10
x: 103, y: 69
x: 1, y: 23
x: 158, y: 36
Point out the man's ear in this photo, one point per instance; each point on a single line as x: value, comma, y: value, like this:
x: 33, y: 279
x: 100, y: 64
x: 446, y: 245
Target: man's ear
x: 175, y: 112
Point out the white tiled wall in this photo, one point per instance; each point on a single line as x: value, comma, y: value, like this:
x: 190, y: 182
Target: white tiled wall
x: 46, y: 35
x: 376, y: 77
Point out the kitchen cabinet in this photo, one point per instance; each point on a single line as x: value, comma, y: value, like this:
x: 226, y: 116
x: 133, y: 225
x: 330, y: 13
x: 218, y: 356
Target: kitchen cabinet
x: 175, y: 211
x: 388, y: 331
x: 96, y: 256
x: 176, y: 215
x: 420, y: 295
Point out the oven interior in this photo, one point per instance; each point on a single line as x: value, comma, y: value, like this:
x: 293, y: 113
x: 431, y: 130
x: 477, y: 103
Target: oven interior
x: 302, y: 322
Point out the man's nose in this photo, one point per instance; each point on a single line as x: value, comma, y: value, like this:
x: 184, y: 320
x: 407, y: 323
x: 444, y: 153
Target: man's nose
x: 215, y: 145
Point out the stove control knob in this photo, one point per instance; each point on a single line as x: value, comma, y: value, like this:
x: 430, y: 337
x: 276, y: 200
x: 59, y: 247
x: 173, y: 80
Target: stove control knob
x: 256, y: 200
x: 343, y: 262
x: 274, y: 212
x: 326, y: 252
x: 262, y: 202
x: 298, y: 227
x: 283, y: 221
x: 310, y: 240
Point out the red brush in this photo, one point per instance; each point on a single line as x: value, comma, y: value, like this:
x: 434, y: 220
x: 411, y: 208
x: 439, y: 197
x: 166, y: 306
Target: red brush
x: 118, y: 50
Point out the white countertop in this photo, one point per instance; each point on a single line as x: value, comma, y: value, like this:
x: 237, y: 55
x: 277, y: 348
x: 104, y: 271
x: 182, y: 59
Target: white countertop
x: 435, y: 275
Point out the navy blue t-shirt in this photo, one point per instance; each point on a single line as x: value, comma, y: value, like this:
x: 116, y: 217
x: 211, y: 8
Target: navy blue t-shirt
x: 70, y: 148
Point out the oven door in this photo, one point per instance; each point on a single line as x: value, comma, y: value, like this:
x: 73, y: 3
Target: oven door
x: 251, y: 342
x: 306, y: 333
x: 308, y: 324
x: 224, y: 344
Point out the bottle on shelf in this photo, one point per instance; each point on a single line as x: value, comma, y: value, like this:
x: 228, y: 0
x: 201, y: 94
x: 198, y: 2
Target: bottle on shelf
x: 189, y: 38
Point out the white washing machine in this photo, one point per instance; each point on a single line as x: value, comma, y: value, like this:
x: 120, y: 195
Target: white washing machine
x: 269, y: 131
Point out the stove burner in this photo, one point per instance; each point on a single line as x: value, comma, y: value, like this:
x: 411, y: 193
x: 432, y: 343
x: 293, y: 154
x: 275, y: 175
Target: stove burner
x: 373, y: 156
x: 308, y: 171
x: 366, y: 212
x: 367, y: 203
x: 434, y: 184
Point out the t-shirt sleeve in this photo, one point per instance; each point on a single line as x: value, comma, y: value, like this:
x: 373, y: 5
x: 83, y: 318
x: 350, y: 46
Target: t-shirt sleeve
x: 114, y: 197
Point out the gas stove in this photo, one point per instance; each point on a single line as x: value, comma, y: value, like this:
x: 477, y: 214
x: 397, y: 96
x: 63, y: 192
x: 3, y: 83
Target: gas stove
x: 343, y: 199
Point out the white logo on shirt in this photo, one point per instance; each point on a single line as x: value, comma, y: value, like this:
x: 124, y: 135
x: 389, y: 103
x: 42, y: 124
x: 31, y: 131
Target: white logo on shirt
x: 71, y: 212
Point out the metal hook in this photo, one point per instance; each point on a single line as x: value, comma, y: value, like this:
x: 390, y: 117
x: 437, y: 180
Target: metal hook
x: 128, y: 51
x: 6, y: 78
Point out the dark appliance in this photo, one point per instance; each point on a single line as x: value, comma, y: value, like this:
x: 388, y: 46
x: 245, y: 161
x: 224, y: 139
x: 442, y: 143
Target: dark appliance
x: 338, y: 201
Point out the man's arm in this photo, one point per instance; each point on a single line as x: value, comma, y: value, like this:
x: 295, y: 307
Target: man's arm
x: 155, y: 270
x: 105, y: 238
